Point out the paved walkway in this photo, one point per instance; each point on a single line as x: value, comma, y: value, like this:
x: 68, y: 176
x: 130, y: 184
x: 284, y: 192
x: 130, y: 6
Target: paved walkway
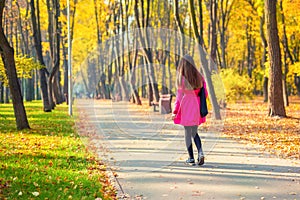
x: 147, y: 152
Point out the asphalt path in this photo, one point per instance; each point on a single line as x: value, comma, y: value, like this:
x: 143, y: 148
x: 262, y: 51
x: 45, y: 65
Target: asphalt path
x: 145, y: 154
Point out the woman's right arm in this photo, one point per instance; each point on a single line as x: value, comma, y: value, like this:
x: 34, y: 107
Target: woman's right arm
x: 179, y: 96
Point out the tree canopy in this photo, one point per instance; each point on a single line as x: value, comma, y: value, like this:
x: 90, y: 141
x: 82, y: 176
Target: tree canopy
x: 235, y: 40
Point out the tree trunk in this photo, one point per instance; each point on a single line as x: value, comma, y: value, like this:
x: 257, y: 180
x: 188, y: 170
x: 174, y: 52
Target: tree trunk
x: 297, y: 83
x: 132, y: 66
x: 65, y: 51
x: 265, y: 89
x: 38, y: 48
x: 170, y: 84
x: 143, y: 78
x: 110, y: 71
x: 250, y: 47
x: 25, y: 43
x: 144, y: 40
x: 37, y: 95
x: 276, y: 104
x: 1, y: 92
x: 54, y: 39
x: 169, y: 57
x: 6, y: 94
x: 99, y: 37
x: 51, y: 10
x: 213, y: 31
x: 65, y: 71
x: 225, y: 11
x: 287, y: 54
x: 200, y: 18
x: 180, y: 27
x: 123, y: 83
x: 7, y: 55
x: 163, y: 78
x: 29, y: 89
x: 59, y: 97
x: 264, y: 57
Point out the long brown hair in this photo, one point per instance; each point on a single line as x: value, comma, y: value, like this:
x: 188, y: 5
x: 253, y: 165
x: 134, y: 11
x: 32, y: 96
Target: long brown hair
x: 188, y: 73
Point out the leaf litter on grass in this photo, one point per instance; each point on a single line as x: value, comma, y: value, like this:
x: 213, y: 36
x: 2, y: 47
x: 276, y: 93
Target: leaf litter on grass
x: 49, y: 164
x: 249, y: 122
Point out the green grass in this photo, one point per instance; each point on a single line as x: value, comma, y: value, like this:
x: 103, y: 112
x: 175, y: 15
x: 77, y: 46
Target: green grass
x: 48, y: 161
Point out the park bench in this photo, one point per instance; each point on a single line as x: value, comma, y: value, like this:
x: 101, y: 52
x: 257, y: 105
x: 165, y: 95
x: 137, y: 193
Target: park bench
x: 164, y: 104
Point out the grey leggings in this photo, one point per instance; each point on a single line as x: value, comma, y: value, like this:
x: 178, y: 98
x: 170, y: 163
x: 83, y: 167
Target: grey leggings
x: 191, y: 132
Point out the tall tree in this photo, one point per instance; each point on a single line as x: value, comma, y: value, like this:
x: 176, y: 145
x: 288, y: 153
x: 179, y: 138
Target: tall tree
x: 54, y: 31
x: 180, y: 27
x: 223, y: 21
x: 64, y: 42
x: 123, y: 84
x: 204, y: 63
x: 276, y: 103
x: 132, y: 62
x: 287, y: 55
x: 213, y: 7
x: 35, y: 15
x: 144, y: 39
x: 264, y: 56
x: 7, y: 55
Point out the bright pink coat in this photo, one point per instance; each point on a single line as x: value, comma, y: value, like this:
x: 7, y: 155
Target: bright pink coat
x: 187, y: 107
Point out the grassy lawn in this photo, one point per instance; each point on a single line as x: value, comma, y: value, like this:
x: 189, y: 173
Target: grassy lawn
x: 49, y: 161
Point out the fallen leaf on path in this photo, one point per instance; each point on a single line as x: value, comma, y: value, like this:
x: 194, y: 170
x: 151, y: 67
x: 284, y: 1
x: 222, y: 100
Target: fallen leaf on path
x: 197, y: 193
x: 173, y: 187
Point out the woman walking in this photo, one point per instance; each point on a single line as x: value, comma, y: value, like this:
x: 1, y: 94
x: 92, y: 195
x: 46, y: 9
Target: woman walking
x: 187, y: 106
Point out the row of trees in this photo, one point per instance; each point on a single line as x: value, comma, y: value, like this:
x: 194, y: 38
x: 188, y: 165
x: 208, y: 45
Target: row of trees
x: 107, y: 54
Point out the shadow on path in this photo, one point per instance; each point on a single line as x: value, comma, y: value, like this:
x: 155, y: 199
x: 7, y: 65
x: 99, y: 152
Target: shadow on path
x: 147, y: 152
